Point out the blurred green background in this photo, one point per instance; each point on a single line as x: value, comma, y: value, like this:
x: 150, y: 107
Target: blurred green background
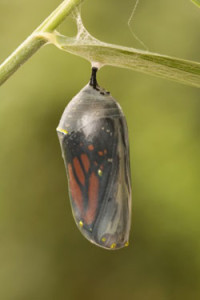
x: 42, y: 253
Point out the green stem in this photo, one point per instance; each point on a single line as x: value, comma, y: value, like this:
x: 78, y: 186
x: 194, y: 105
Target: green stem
x: 187, y: 72
x: 182, y: 71
x: 196, y: 2
x: 19, y: 56
x: 36, y: 39
x: 58, y: 15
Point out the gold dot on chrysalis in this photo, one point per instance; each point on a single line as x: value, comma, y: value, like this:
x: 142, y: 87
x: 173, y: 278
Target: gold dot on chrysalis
x: 113, y: 246
x: 100, y: 173
x: 103, y: 239
x: 62, y: 130
x: 126, y: 244
x: 81, y: 224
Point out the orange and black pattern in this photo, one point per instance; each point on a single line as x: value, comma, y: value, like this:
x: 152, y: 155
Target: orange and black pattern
x: 94, y: 141
x: 90, y: 164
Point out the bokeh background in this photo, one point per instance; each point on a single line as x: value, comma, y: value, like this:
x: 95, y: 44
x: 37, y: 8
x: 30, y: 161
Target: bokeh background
x: 42, y: 253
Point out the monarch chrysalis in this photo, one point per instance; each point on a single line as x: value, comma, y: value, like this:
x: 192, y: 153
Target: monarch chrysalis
x: 94, y: 142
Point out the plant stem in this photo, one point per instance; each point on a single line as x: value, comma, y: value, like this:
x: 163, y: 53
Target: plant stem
x: 196, y: 2
x: 19, y: 56
x: 187, y: 72
x: 182, y: 71
x: 36, y: 39
x: 58, y: 15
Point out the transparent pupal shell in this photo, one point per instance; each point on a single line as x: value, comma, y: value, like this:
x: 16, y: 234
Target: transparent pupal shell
x: 94, y: 141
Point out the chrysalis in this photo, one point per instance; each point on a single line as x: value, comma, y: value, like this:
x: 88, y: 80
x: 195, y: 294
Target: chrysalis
x: 94, y: 142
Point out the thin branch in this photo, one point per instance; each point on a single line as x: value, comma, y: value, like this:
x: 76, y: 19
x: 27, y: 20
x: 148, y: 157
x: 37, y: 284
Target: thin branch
x: 196, y: 2
x: 36, y: 39
x: 20, y: 55
x: 182, y: 71
x: 58, y: 15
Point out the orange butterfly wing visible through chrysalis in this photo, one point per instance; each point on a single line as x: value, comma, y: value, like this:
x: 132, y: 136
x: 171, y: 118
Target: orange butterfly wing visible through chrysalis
x: 93, y: 190
x: 75, y: 189
x: 94, y: 141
